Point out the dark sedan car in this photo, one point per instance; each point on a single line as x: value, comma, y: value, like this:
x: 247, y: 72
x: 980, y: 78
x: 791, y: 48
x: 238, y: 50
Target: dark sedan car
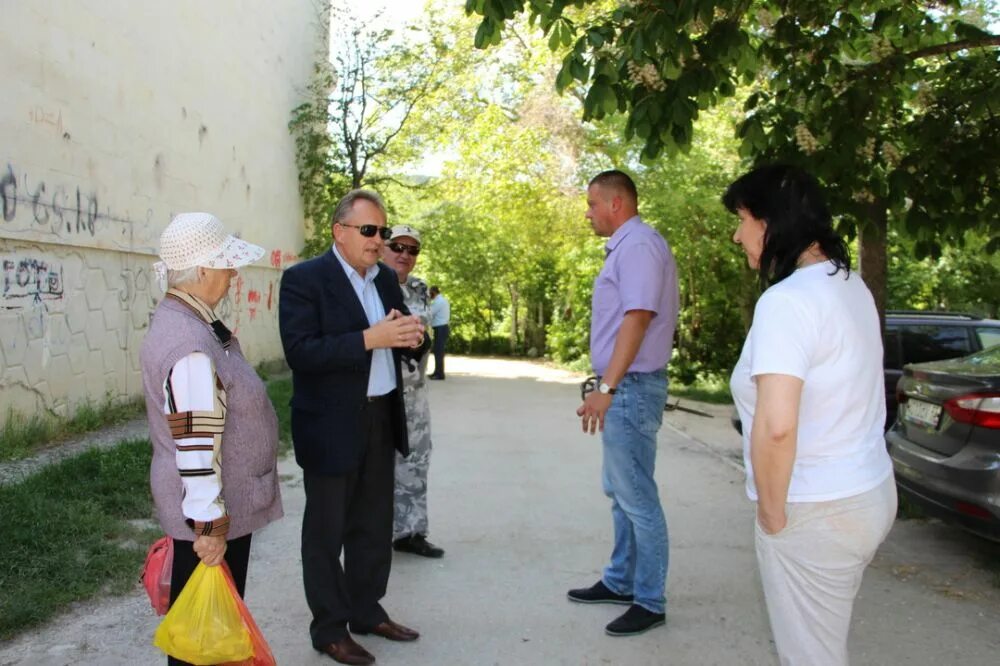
x: 945, y: 445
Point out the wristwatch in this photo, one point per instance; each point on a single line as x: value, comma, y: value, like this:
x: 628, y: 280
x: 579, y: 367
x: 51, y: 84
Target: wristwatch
x: 605, y: 389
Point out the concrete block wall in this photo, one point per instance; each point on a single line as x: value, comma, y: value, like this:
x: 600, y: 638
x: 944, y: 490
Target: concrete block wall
x: 117, y: 115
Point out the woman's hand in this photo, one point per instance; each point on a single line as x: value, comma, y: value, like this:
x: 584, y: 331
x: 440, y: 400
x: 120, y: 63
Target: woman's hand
x: 771, y: 522
x: 773, y: 442
x: 211, y: 549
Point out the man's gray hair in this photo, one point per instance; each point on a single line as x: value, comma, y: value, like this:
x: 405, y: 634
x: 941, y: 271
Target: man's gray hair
x: 343, y: 209
x: 183, y: 276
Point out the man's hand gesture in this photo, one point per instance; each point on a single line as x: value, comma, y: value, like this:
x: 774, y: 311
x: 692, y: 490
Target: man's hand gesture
x: 396, y: 330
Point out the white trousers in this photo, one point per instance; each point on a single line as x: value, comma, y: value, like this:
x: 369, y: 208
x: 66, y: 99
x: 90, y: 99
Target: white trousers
x: 811, y: 571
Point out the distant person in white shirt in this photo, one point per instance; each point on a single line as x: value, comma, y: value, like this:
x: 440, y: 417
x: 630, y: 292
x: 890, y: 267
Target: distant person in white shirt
x: 440, y: 316
x: 809, y: 390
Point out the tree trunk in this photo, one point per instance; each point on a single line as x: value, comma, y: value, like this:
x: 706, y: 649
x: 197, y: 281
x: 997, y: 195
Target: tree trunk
x: 540, y: 339
x: 872, y: 254
x: 513, y: 319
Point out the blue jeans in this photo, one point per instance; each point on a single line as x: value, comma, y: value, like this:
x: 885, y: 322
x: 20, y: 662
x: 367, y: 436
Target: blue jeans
x: 640, y: 556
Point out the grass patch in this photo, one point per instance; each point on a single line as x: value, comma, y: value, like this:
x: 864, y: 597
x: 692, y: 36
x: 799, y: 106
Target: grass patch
x: 581, y: 364
x: 23, y: 435
x: 702, y: 394
x: 280, y: 392
x: 90, y: 417
x: 65, y: 535
x: 713, y: 390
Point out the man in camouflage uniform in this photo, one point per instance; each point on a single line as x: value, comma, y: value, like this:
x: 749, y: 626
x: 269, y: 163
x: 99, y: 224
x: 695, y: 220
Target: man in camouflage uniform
x: 410, y: 517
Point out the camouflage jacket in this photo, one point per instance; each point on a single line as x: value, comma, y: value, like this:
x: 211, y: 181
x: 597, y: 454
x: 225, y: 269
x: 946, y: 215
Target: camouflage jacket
x: 416, y: 298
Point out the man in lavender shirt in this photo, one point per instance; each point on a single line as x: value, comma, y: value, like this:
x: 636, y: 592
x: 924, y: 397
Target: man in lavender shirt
x: 631, y: 335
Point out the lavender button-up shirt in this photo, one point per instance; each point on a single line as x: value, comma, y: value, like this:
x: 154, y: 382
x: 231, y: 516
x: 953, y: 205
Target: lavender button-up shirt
x: 639, y: 273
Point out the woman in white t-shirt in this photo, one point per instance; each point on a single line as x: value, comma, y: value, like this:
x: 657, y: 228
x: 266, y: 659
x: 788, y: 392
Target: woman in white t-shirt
x: 809, y: 390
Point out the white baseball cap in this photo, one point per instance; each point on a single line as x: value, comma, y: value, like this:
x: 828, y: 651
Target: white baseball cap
x: 401, y: 230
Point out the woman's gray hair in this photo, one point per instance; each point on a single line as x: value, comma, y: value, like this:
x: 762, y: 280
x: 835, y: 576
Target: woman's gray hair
x: 183, y: 276
x: 343, y: 208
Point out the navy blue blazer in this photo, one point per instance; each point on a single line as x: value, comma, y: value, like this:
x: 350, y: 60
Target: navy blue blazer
x: 322, y: 322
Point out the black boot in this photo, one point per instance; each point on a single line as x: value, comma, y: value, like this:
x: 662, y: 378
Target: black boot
x: 418, y: 545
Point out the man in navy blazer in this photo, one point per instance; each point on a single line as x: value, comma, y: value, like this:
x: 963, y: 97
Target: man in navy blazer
x: 345, y: 330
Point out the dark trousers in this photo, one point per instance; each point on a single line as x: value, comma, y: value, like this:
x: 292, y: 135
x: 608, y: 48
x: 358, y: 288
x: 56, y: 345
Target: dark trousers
x: 440, y: 338
x: 185, y: 561
x: 353, y: 514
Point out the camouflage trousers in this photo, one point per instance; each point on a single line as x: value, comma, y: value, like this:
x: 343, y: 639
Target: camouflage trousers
x: 410, y: 515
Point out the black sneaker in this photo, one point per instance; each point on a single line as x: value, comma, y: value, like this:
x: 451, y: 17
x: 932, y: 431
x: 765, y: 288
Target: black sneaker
x: 598, y: 593
x: 418, y: 545
x: 635, y: 621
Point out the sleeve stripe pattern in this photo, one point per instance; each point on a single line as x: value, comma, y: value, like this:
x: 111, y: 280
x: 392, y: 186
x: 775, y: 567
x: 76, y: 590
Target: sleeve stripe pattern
x: 217, y: 527
x: 185, y: 425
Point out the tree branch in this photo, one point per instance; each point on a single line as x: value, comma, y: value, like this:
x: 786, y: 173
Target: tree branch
x: 391, y: 179
x: 951, y: 47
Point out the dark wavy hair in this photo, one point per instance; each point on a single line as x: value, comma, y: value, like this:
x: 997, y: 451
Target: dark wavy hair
x: 791, y: 203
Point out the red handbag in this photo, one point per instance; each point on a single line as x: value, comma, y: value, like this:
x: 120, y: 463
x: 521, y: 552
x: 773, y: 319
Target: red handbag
x: 156, y: 574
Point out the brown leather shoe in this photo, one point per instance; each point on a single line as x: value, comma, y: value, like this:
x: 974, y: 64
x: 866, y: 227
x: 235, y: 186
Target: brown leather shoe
x: 390, y: 630
x: 346, y: 651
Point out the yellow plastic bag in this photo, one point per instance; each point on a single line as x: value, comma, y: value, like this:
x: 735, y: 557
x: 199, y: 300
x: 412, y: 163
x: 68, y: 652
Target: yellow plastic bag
x: 204, y: 626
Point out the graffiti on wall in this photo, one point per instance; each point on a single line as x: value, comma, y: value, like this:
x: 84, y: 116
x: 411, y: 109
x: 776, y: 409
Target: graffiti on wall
x: 27, y: 281
x: 64, y: 211
x: 281, y: 259
x: 134, y: 281
x: 247, y: 299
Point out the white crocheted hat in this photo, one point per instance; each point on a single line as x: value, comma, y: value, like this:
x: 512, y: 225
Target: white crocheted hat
x: 198, y: 239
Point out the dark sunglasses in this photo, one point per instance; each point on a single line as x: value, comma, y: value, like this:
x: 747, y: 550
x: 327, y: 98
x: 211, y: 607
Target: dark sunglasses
x: 412, y: 250
x: 369, y: 230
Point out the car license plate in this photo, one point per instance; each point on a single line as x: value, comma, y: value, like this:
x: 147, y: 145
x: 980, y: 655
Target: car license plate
x: 922, y: 413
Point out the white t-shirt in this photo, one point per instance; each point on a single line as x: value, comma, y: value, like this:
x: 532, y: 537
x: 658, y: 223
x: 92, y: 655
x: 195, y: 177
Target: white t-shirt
x: 823, y: 329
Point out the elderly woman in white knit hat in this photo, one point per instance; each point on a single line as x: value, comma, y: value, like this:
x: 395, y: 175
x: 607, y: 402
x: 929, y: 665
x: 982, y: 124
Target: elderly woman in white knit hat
x: 214, y: 431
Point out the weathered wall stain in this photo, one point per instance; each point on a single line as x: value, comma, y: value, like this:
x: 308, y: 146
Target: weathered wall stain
x: 41, y: 116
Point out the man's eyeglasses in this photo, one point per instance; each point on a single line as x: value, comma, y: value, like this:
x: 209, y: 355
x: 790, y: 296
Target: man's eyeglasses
x: 369, y: 230
x: 412, y: 250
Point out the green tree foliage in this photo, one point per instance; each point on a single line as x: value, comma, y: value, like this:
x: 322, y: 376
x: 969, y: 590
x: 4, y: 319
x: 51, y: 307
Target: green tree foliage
x: 350, y: 131
x: 503, y: 225
x: 964, y: 278
x: 892, y: 104
x: 495, y: 241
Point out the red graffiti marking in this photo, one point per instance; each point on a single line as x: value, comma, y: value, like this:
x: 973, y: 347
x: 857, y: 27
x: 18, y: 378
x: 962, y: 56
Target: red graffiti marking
x: 289, y: 257
x: 276, y: 258
x: 253, y: 296
x: 239, y: 297
x: 270, y: 294
x: 253, y: 313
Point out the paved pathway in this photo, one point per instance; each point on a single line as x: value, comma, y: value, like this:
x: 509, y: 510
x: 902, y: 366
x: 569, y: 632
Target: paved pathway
x: 515, y: 500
